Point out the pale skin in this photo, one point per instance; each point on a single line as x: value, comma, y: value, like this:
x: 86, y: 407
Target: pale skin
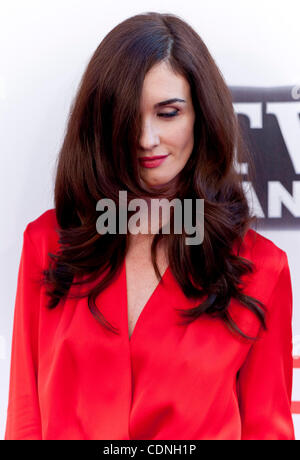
x: 160, y: 135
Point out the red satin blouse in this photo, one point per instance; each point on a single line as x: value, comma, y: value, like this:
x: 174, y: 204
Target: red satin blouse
x: 71, y: 378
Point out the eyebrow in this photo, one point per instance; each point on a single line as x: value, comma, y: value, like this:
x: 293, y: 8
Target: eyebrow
x: 169, y: 101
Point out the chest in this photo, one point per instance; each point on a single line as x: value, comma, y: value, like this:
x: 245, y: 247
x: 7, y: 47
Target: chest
x: 141, y: 283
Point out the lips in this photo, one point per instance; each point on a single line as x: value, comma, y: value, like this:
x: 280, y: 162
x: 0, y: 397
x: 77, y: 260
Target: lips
x: 153, y: 161
x: 152, y: 158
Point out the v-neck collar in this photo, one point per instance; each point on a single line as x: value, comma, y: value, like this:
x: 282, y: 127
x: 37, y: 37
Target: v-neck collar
x: 148, y: 303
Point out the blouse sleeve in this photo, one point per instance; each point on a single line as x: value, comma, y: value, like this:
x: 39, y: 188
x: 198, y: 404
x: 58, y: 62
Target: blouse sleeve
x: 264, y: 383
x: 23, y: 414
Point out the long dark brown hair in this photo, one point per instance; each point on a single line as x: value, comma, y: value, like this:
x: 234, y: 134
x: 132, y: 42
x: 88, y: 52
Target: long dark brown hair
x: 98, y: 158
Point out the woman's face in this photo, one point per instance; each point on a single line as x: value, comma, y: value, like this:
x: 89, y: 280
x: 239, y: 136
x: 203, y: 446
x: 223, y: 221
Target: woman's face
x: 167, y: 129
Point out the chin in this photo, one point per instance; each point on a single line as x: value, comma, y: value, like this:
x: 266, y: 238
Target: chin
x: 156, y: 184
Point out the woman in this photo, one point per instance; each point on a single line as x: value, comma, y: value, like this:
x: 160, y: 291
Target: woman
x: 103, y: 347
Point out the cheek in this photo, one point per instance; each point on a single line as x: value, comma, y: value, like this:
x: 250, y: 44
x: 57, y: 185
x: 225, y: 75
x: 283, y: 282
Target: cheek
x: 181, y: 137
x: 183, y: 143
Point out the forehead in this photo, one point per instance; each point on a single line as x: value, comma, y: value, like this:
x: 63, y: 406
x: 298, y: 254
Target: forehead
x: 162, y: 83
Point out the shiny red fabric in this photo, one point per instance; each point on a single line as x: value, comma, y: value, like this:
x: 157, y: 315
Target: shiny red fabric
x: 73, y: 379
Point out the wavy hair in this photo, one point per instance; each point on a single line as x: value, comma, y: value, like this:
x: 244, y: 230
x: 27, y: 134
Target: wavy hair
x: 98, y: 158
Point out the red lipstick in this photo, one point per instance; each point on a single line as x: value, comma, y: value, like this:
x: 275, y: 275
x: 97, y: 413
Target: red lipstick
x: 153, y: 161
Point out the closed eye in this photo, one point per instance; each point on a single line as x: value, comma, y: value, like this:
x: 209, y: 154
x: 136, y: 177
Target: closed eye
x: 166, y: 115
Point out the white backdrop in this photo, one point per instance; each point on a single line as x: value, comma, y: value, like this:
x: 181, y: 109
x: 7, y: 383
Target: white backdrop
x: 44, y: 49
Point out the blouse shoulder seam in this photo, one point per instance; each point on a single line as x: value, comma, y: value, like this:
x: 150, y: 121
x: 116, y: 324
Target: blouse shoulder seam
x: 27, y: 232
x: 282, y: 264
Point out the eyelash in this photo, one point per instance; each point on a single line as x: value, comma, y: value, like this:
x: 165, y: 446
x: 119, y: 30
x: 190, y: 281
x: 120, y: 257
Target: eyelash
x: 167, y: 115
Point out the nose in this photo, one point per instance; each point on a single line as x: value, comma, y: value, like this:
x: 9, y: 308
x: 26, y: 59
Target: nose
x: 149, y: 136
